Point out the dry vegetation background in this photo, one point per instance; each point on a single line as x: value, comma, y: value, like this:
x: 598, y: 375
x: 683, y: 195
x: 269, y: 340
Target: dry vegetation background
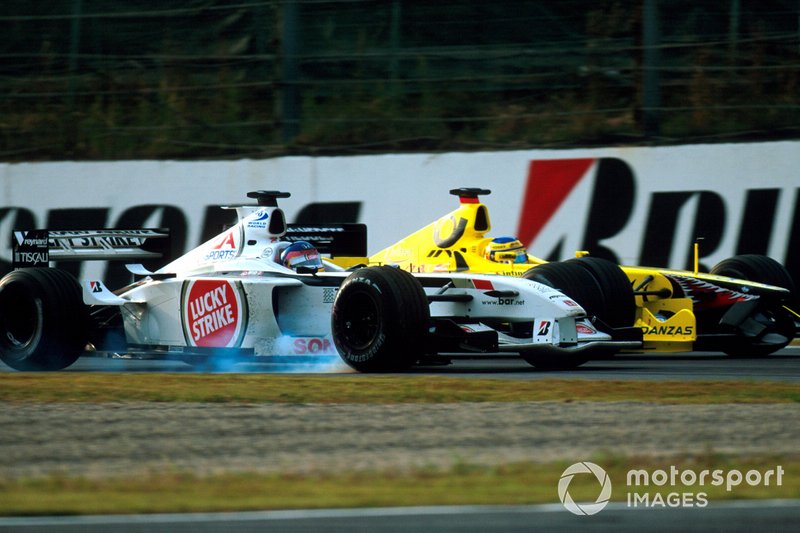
x: 122, y: 79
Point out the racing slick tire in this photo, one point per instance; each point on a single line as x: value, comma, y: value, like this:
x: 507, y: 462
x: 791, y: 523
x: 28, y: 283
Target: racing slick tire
x: 579, y: 284
x: 599, y: 286
x: 761, y: 269
x: 380, y: 320
x: 620, y: 302
x: 44, y: 324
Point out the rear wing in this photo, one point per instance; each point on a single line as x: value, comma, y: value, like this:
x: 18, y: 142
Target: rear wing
x: 39, y: 247
x: 334, y: 240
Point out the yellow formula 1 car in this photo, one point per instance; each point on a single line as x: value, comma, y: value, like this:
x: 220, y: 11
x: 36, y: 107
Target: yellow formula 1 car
x: 742, y: 307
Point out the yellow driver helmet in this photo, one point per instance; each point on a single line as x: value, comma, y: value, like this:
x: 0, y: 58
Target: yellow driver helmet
x: 506, y: 250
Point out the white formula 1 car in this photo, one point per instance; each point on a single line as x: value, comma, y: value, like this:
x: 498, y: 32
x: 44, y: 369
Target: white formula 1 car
x: 233, y: 296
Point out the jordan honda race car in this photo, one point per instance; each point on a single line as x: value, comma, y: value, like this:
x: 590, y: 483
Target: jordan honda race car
x: 234, y: 297
x: 742, y: 307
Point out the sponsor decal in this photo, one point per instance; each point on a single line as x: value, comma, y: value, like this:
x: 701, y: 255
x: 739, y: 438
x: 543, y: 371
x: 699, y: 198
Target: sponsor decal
x: 31, y: 238
x: 96, y: 286
x: 124, y: 233
x: 226, y: 241
x: 603, y: 202
x: 313, y: 346
x: 502, y: 301
x: 583, y: 329
x: 317, y: 229
x: 30, y: 258
x: 214, y: 313
x: 668, y: 330
x: 562, y: 299
x: 259, y: 220
x: 97, y: 242
x: 544, y: 328
x: 451, y: 226
x: 224, y: 248
x: 31, y: 248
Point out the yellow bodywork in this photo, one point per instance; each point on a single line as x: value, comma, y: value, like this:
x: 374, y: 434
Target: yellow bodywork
x: 456, y: 243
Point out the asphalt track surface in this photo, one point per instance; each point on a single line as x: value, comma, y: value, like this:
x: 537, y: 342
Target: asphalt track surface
x: 774, y: 515
x: 782, y: 366
x: 769, y: 515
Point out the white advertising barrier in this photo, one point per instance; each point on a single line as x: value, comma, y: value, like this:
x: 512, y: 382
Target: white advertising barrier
x: 635, y: 205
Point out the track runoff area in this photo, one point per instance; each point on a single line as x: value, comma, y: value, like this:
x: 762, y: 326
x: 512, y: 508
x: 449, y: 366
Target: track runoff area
x: 781, y: 366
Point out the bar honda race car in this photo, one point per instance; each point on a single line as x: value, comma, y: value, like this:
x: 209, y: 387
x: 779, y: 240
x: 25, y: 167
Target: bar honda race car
x: 235, y: 297
x: 742, y: 307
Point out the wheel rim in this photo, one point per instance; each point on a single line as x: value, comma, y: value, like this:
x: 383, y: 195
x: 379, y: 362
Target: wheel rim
x: 360, y: 321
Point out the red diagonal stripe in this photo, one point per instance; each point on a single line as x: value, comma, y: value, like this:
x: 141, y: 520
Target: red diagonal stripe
x: 549, y: 183
x: 483, y: 284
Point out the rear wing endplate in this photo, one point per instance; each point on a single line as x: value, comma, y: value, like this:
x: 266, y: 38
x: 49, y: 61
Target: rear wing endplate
x: 39, y: 247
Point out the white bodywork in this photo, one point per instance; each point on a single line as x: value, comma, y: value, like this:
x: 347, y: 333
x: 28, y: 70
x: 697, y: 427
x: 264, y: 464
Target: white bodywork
x: 232, y: 293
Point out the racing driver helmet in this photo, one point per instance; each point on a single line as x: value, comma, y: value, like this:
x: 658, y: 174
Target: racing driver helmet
x: 301, y: 254
x: 506, y: 250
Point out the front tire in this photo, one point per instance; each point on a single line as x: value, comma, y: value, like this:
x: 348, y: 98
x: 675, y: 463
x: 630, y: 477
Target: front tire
x: 380, y: 320
x: 44, y: 324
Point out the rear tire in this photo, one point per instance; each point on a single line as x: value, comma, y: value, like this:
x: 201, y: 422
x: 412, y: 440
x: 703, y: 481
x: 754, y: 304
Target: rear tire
x: 44, y: 324
x: 380, y: 320
x: 574, y: 281
x: 599, y: 286
x: 758, y: 268
x: 618, y: 297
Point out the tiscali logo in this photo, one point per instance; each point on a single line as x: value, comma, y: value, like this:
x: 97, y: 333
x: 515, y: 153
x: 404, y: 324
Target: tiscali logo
x: 584, y: 508
x: 214, y: 313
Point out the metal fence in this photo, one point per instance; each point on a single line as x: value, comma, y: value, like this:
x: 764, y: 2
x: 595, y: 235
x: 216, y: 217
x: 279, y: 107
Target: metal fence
x: 110, y: 79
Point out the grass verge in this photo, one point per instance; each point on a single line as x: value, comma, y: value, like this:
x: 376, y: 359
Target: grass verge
x: 270, y: 388
x: 520, y: 483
